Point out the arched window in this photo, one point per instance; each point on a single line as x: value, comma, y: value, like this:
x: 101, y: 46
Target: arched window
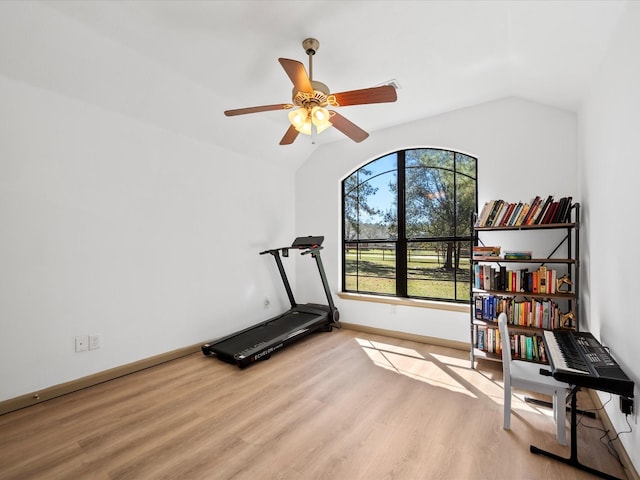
x: 406, y: 225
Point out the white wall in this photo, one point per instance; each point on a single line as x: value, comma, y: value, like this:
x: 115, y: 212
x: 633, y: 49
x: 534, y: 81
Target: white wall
x: 115, y: 225
x: 523, y: 149
x: 609, y: 175
x: 114, y: 222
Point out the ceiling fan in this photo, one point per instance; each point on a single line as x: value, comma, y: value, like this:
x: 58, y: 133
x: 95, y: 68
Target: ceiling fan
x: 312, y: 97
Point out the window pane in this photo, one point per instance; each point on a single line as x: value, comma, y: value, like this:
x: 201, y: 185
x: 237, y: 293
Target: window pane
x: 462, y: 285
x: 371, y: 201
x: 436, y: 270
x: 465, y: 204
x: 430, y: 202
x: 465, y: 193
x: 466, y: 165
x: 430, y: 157
x: 370, y: 267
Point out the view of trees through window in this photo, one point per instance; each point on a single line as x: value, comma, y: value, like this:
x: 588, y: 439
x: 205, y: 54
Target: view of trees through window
x: 406, y: 225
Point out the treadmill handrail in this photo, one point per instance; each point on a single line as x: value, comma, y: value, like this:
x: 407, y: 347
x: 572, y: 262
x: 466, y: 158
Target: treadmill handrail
x: 313, y: 247
x: 323, y: 277
x: 309, y: 248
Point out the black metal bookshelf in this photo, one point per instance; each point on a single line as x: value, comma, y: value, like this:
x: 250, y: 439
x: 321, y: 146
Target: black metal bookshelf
x: 570, y: 263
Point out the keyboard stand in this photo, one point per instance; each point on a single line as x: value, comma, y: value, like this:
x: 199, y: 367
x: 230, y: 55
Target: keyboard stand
x: 544, y: 403
x: 573, y: 459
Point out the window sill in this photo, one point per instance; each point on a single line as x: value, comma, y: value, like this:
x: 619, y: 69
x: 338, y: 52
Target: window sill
x: 408, y: 302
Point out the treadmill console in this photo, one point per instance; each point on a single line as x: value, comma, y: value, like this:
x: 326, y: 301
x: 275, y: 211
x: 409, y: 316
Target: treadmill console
x: 307, y: 242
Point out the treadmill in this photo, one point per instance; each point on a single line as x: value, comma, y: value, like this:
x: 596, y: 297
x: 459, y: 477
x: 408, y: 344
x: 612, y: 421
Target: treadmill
x: 259, y: 341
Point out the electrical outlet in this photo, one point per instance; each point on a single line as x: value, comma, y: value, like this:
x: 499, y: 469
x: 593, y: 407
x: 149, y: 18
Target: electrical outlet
x: 82, y: 343
x: 94, y: 342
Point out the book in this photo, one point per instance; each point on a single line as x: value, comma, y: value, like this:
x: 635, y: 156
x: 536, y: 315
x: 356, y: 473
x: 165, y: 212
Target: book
x: 543, y: 210
x: 567, y: 213
x: 523, y: 212
x: 557, y: 214
x: 481, y: 332
x: 542, y: 279
x: 529, y: 348
x: 507, y: 214
x: 548, y: 216
x: 534, y: 205
x: 514, y: 214
x: 502, y: 278
x: 517, y: 254
x: 478, y: 308
x: 494, y: 212
x: 486, y: 212
x: 501, y: 213
x: 486, y: 277
x: 564, y: 213
x: 486, y: 251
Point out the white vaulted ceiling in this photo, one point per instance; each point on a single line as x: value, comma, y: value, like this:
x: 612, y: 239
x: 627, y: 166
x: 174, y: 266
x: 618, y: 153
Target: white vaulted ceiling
x: 180, y: 64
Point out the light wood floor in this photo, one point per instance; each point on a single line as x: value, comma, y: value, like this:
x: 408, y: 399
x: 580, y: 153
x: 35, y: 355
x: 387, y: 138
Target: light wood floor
x: 340, y: 405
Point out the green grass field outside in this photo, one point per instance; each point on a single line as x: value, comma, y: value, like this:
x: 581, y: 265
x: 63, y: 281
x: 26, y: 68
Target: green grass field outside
x: 373, y: 270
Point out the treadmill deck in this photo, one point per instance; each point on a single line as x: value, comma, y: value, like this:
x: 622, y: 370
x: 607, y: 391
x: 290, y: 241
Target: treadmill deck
x: 263, y: 339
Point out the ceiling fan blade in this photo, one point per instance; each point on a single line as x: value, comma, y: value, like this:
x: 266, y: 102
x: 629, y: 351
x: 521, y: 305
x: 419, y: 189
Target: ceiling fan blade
x: 347, y: 127
x: 290, y: 136
x: 263, y: 108
x: 383, y: 94
x: 297, y: 74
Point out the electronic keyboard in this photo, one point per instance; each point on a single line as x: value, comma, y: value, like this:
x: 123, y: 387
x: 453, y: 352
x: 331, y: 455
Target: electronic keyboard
x: 579, y: 359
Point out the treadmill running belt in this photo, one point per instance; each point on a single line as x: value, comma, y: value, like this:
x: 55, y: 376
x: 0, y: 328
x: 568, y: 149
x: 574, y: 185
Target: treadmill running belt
x: 282, y: 326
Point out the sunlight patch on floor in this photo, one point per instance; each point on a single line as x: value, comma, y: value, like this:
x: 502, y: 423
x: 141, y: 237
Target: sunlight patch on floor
x: 452, y: 361
x: 409, y: 362
x: 454, y: 373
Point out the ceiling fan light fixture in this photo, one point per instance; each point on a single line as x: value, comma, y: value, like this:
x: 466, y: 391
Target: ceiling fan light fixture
x: 304, y: 119
x: 305, y: 127
x: 322, y: 127
x: 299, y: 117
x: 319, y: 116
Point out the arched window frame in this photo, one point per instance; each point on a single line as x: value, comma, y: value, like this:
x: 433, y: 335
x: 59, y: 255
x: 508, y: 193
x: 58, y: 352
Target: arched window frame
x: 399, y: 251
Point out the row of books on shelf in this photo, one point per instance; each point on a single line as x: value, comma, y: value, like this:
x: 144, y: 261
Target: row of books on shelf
x: 523, y: 347
x: 481, y: 251
x: 493, y: 277
x: 486, y: 251
x: 538, y: 313
x: 538, y: 211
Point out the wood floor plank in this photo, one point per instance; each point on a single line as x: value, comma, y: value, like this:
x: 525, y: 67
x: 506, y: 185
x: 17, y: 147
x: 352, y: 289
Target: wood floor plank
x: 340, y: 405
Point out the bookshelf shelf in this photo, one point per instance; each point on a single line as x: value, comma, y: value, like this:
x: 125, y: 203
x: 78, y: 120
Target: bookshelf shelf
x: 543, y: 226
x: 523, y: 260
x: 513, y: 285
x: 495, y: 357
x: 515, y: 328
x: 488, y: 355
x: 505, y: 293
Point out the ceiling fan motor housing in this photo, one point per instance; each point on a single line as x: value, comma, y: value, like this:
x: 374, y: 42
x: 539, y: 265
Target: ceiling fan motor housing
x: 319, y: 97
